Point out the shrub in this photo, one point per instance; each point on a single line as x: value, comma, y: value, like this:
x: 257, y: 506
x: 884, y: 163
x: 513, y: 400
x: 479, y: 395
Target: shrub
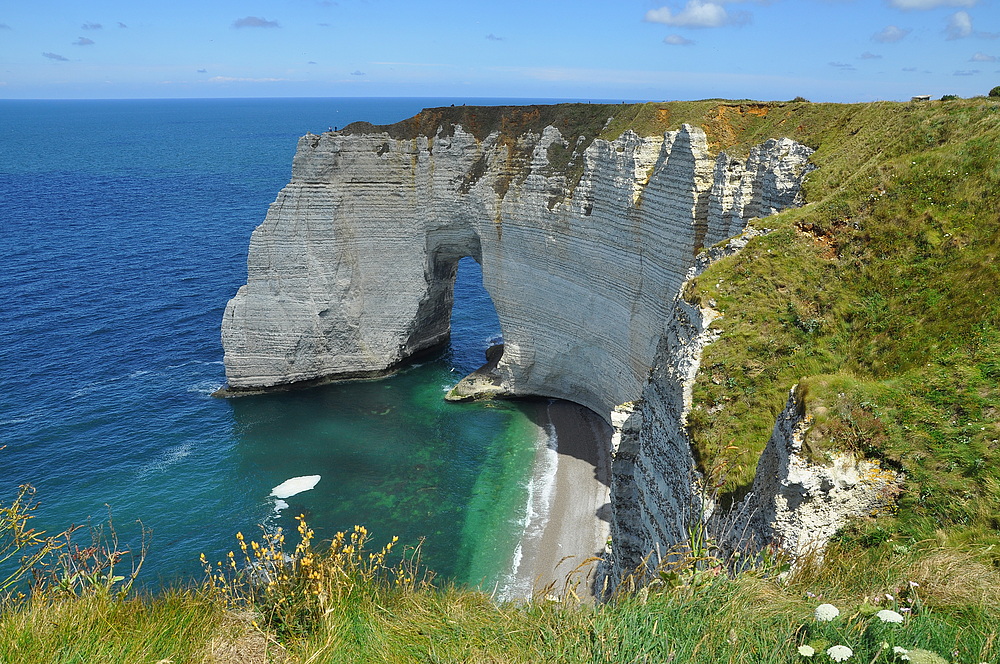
x: 995, y: 92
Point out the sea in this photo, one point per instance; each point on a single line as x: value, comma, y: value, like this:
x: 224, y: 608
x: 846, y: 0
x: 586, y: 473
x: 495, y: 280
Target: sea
x: 124, y: 227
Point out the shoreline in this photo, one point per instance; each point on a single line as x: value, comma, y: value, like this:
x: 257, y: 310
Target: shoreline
x: 568, y: 519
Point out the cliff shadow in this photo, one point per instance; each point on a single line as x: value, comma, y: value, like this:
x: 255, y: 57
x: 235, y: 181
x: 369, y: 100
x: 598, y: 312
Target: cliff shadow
x: 580, y: 433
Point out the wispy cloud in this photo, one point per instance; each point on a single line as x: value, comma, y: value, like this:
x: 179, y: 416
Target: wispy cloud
x: 83, y: 41
x: 237, y: 79
x: 843, y: 66
x: 91, y: 26
x: 930, y: 4
x: 357, y: 72
x: 959, y: 26
x: 890, y: 34
x: 909, y: 69
x: 966, y: 72
x: 121, y: 25
x: 677, y: 40
x: 4, y: 26
x: 697, y: 14
x: 55, y: 56
x: 493, y: 37
x: 254, y: 22
x: 414, y: 64
x: 202, y: 71
x: 870, y: 56
x: 983, y: 57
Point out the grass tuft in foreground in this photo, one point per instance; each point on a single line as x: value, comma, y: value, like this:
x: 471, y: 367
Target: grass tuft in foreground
x: 343, y: 604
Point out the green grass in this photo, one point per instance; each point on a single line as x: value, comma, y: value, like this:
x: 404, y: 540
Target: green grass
x: 753, y: 619
x: 881, y: 296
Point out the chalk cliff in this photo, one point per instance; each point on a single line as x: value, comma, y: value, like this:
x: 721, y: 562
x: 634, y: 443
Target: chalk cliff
x: 352, y: 270
x: 585, y: 245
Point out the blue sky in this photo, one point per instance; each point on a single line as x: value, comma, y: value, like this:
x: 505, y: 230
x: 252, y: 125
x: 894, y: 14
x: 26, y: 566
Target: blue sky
x: 824, y: 50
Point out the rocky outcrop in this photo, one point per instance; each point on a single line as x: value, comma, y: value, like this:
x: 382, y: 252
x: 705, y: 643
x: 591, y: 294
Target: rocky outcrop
x: 352, y: 270
x: 798, y: 504
x: 585, y: 245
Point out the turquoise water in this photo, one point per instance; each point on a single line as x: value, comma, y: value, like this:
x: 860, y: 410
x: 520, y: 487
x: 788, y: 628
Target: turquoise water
x: 125, y: 227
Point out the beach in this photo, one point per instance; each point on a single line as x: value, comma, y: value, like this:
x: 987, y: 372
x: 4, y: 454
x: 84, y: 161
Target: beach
x: 567, y: 521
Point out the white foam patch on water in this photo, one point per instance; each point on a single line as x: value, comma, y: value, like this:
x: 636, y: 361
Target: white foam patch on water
x: 536, y: 515
x: 294, y: 486
x: 206, y: 387
x: 168, y: 458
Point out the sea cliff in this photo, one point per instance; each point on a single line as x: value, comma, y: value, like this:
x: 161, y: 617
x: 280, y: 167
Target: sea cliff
x: 586, y: 240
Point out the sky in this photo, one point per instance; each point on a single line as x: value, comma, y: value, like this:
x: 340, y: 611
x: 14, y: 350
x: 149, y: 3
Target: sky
x: 823, y: 50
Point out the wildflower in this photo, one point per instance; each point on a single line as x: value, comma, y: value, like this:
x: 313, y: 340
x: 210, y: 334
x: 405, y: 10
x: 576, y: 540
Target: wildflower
x: 914, y: 584
x: 807, y: 651
x: 889, y: 616
x: 826, y: 612
x: 839, y: 653
x: 921, y: 656
x: 899, y: 650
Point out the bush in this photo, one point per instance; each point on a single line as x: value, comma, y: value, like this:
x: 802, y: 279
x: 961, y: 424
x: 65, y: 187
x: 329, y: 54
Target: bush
x: 950, y: 98
x: 995, y: 92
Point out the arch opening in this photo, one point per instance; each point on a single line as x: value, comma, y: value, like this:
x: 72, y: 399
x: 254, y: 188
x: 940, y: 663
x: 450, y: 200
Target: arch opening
x: 475, y: 325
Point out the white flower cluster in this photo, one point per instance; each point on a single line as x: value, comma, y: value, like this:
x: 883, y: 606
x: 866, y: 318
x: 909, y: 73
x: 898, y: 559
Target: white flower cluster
x: 826, y: 612
x: 839, y: 653
x: 889, y: 616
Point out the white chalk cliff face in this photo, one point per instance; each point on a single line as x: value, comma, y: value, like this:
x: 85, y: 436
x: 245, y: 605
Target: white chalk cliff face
x: 352, y: 272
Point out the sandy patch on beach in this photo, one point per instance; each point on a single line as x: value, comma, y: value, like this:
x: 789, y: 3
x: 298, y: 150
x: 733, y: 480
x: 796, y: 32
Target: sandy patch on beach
x: 569, y: 504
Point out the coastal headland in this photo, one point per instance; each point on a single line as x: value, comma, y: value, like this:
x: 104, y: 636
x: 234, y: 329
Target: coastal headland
x: 594, y: 226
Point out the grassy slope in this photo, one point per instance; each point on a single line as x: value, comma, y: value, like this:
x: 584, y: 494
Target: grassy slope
x: 880, y: 294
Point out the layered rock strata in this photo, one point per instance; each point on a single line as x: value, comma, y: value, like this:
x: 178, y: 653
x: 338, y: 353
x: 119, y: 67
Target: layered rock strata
x: 584, y: 258
x: 352, y: 270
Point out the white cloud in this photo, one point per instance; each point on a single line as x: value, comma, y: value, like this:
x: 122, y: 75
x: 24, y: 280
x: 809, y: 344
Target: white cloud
x: 677, y: 40
x: 254, y: 22
x: 983, y: 57
x: 890, y: 33
x: 959, y: 25
x: 930, y: 4
x: 697, y: 14
x: 83, y: 41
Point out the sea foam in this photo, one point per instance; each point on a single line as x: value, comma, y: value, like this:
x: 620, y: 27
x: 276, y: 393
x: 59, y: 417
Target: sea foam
x: 295, y: 486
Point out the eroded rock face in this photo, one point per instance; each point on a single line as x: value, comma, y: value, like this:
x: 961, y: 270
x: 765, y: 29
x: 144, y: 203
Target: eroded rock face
x: 352, y: 270
x: 797, y: 504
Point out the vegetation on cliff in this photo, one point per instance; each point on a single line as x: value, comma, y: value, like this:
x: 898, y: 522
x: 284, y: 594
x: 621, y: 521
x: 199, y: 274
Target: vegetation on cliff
x: 880, y: 295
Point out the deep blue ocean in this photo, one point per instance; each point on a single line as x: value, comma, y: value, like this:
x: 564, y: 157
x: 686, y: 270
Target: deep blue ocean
x: 124, y: 228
